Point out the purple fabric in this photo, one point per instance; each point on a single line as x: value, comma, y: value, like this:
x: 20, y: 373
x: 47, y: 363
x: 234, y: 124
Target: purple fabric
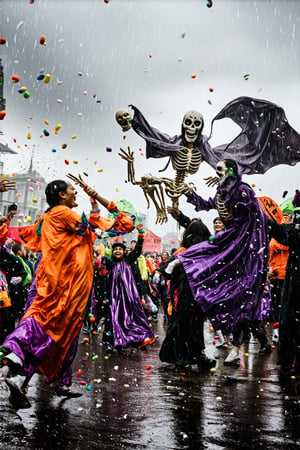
x: 227, y: 276
x: 65, y: 378
x: 32, y: 290
x: 30, y: 343
x: 265, y: 141
x: 130, y: 324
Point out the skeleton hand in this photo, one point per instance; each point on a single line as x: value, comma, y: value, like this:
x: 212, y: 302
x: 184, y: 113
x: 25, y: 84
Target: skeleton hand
x: 211, y: 181
x: 188, y: 189
x: 128, y: 156
x: 7, y: 185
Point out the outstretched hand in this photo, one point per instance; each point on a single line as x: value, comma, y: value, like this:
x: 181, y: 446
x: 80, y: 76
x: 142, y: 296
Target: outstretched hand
x: 175, y: 212
x: 127, y: 155
x: 212, y: 181
x: 139, y: 227
x: 7, y: 185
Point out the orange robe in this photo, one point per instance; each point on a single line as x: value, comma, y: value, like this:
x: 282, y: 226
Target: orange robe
x: 64, y: 276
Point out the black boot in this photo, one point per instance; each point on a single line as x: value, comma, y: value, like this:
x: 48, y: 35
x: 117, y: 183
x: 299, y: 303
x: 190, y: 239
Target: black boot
x: 17, y: 395
x: 204, y: 362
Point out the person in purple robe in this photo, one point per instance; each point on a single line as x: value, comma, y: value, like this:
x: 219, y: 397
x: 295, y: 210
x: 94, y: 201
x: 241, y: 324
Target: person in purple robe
x: 126, y: 324
x: 227, y: 274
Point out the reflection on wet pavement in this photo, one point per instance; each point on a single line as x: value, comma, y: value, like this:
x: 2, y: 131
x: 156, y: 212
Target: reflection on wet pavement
x: 127, y: 404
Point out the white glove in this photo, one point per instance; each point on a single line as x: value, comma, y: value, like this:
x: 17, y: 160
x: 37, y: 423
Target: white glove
x: 15, y: 280
x: 171, y: 266
x: 156, y: 278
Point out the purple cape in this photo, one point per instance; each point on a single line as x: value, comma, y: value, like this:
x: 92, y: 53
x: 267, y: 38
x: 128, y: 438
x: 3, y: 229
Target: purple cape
x: 130, y: 324
x: 227, y: 275
x: 266, y: 138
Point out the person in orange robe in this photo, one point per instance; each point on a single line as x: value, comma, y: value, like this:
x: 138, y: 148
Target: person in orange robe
x: 47, y: 336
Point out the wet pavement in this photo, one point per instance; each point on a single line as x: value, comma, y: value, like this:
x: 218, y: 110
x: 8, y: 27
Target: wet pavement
x: 127, y: 404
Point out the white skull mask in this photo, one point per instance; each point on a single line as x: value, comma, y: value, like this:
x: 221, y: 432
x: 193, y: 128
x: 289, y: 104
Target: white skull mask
x: 124, y: 119
x: 192, y: 125
x: 222, y: 171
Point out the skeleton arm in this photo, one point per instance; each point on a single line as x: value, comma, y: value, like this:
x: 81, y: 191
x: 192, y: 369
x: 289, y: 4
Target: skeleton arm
x: 129, y: 157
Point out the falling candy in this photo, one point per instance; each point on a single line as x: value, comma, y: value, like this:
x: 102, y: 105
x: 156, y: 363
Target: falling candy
x: 211, y: 90
x: 64, y: 146
x: 40, y: 76
x: 15, y: 79
x: 76, y: 162
x: 29, y: 136
x: 209, y: 3
x: 53, y: 150
x: 34, y: 200
x: 74, y: 136
x: 57, y: 128
x: 193, y: 76
x: 47, y: 78
x: 2, y: 41
x: 22, y: 90
x: 42, y: 40
x: 148, y: 367
x: 79, y: 372
x: 46, y: 132
x: 30, y: 189
x: 95, y: 357
x: 284, y: 193
x: 246, y: 77
x: 108, y: 149
x: 2, y: 114
x: 66, y: 162
x: 26, y: 94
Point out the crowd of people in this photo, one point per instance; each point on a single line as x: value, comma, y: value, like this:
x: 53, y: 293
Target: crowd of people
x: 56, y: 284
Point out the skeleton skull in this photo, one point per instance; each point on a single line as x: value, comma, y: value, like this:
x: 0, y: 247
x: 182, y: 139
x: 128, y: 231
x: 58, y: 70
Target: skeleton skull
x: 222, y: 171
x: 124, y: 119
x: 192, y: 126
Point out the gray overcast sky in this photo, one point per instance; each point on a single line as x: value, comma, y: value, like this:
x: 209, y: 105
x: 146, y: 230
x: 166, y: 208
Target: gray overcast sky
x: 142, y: 52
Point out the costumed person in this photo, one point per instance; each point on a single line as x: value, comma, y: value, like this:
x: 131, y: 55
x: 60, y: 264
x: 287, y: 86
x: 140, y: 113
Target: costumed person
x: 23, y: 288
x: 184, y: 342
x: 46, y: 338
x: 227, y: 275
x: 162, y: 284
x: 289, y: 319
x: 126, y: 324
x: 277, y: 269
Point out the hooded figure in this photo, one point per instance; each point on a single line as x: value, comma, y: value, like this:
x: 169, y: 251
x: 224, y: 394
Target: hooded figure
x: 227, y: 274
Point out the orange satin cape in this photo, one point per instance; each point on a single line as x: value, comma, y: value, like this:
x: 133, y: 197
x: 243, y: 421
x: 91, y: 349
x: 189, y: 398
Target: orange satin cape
x: 64, y: 278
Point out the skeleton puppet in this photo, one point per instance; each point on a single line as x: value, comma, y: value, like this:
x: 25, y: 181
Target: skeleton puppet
x: 266, y: 140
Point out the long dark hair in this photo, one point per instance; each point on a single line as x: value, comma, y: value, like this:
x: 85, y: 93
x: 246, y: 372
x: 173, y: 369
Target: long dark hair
x: 52, y: 192
x: 195, y: 232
